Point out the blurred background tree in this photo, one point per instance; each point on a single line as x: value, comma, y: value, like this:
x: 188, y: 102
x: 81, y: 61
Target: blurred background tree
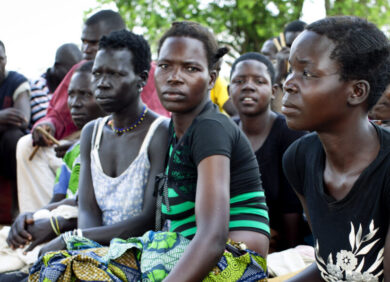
x: 243, y: 25
x: 376, y: 11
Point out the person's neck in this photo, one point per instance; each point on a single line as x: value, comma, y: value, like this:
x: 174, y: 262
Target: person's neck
x: 128, y: 115
x: 350, y: 144
x: 257, y: 124
x: 182, y: 121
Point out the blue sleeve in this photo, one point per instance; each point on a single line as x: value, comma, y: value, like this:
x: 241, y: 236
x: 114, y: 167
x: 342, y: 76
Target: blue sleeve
x: 61, y: 186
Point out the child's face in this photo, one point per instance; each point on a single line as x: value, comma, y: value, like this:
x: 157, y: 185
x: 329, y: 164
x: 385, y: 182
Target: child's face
x: 81, y: 101
x: 251, y: 87
x: 182, y: 77
x: 315, y: 97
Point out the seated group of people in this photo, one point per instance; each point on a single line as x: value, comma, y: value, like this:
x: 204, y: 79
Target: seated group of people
x: 201, y: 196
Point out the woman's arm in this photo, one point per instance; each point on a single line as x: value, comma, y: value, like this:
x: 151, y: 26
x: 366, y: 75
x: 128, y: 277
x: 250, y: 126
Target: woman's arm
x: 89, y: 212
x: 136, y: 226
x: 292, y: 225
x: 212, y: 221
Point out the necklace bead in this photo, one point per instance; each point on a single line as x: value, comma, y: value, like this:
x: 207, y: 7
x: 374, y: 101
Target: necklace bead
x: 139, y: 120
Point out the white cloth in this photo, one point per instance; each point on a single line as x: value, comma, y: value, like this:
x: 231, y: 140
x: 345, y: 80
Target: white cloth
x: 64, y: 211
x: 35, y: 178
x: 290, y: 260
x: 11, y: 260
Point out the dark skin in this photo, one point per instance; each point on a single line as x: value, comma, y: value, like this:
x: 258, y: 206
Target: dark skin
x: 83, y: 108
x: 229, y: 107
x: 381, y: 110
x: 67, y: 55
x: 252, y: 90
x: 281, y: 66
x: 90, y: 40
x: 350, y: 141
x: 117, y: 91
x: 64, y: 60
x: 19, y: 114
x: 182, y: 81
x: 269, y: 50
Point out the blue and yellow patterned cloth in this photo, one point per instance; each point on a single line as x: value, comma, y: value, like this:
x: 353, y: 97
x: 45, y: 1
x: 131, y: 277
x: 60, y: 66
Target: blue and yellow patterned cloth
x: 147, y: 258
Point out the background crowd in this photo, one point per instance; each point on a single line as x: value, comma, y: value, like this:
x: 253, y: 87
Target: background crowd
x: 66, y: 166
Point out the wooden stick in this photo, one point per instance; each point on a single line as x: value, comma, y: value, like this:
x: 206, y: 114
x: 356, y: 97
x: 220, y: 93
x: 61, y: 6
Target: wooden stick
x: 277, y: 45
x: 48, y: 135
x: 33, y: 153
x: 282, y: 40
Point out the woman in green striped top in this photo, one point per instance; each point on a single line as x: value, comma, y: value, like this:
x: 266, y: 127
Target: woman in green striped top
x: 213, y: 186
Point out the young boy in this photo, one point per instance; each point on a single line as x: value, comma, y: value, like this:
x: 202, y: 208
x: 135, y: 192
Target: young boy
x: 341, y: 171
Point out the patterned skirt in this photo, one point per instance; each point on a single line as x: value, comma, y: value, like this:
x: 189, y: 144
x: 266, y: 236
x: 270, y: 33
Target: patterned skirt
x: 147, y: 258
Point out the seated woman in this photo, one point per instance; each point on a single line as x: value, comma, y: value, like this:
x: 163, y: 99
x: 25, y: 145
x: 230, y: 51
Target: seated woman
x: 123, y: 152
x: 212, y: 191
x: 252, y: 87
x: 339, y: 68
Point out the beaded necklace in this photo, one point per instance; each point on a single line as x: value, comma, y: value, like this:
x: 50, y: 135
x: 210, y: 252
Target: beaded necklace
x: 119, y: 130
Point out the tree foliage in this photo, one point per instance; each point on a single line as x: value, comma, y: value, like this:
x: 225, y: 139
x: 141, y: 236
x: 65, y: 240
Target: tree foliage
x: 376, y: 11
x: 241, y: 24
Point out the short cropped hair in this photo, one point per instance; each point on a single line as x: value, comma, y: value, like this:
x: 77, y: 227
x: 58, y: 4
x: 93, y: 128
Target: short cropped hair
x: 199, y: 32
x: 136, y: 44
x: 111, y: 19
x: 362, y: 51
x: 257, y: 57
x: 85, y: 67
x: 295, y: 26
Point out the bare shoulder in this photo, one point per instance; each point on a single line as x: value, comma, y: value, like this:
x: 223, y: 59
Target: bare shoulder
x: 159, y: 142
x: 86, y: 134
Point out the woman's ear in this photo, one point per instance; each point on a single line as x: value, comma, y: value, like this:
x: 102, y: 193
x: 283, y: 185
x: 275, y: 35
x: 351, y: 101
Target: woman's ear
x: 359, y: 93
x: 143, y: 78
x: 213, y: 78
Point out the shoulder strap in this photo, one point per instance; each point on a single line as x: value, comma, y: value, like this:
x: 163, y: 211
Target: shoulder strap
x: 96, y: 137
x: 97, y: 132
x: 149, y: 135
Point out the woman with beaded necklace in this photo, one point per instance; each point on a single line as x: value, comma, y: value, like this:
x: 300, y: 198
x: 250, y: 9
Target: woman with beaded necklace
x: 121, y: 153
x: 213, y: 203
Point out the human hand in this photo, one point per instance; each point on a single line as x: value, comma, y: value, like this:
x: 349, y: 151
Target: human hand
x: 18, y: 236
x: 54, y: 245
x: 12, y: 117
x: 63, y: 147
x: 41, y: 232
x: 40, y: 139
